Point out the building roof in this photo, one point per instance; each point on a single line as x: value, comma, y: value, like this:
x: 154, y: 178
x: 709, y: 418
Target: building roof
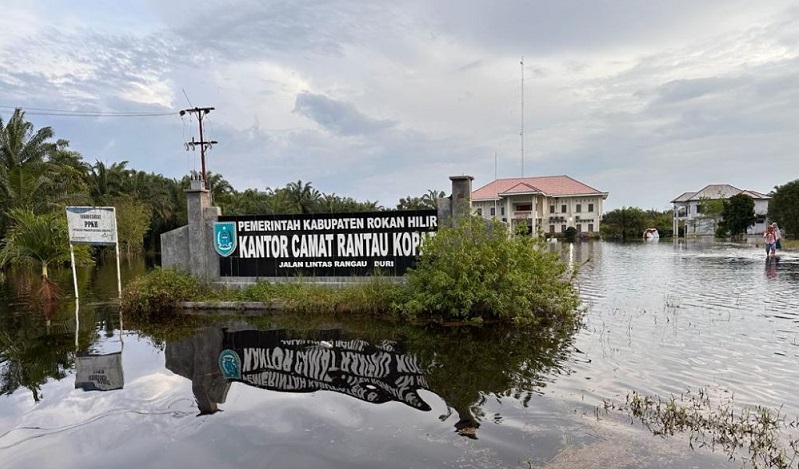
x: 717, y: 191
x: 756, y: 195
x: 684, y: 197
x: 552, y: 186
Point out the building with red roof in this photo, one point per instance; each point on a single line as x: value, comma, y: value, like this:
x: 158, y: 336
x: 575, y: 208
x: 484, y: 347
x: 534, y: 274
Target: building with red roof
x: 548, y: 204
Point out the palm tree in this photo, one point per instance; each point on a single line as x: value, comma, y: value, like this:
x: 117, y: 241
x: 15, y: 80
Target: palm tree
x: 277, y: 201
x: 40, y: 240
x: 303, y: 197
x: 35, y: 173
x: 331, y: 203
x: 106, y: 182
x: 430, y: 199
x: 218, y: 186
x: 22, y: 153
x: 69, y: 175
x: 410, y: 203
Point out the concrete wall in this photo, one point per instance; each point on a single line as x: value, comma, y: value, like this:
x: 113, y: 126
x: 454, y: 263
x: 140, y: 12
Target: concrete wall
x: 175, y: 249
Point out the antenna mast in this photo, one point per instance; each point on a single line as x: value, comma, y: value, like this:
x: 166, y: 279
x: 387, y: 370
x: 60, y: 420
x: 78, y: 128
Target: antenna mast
x: 521, y: 133
x: 496, y: 188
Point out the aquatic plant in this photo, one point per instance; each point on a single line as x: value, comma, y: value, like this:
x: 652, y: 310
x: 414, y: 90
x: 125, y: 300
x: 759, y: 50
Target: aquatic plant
x: 764, y: 435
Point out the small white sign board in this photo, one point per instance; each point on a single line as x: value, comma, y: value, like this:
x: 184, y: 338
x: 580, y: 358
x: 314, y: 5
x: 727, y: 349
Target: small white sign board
x: 96, y: 226
x: 92, y: 225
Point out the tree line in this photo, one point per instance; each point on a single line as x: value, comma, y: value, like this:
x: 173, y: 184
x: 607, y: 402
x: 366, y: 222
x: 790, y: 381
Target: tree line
x: 733, y: 216
x: 41, y: 175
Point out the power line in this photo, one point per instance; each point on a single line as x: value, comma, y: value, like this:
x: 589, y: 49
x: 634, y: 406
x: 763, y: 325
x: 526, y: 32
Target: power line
x: 187, y: 97
x: 38, y: 111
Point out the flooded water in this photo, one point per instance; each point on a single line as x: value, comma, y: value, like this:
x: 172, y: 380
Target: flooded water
x: 661, y: 318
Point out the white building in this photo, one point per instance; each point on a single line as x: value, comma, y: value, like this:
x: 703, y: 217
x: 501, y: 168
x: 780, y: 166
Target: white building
x: 548, y: 204
x: 689, y: 210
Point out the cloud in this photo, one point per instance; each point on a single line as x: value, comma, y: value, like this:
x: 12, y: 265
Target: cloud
x: 338, y: 117
x: 379, y: 100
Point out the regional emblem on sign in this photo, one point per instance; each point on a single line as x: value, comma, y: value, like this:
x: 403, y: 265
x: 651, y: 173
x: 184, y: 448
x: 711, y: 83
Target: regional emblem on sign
x: 225, y: 237
x: 230, y: 364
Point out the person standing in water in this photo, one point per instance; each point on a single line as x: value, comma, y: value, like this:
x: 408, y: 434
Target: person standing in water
x: 771, y: 240
x: 779, y: 235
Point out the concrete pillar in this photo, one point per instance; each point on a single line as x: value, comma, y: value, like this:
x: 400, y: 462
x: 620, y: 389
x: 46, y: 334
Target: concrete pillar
x: 203, y: 261
x: 459, y: 204
x: 461, y: 196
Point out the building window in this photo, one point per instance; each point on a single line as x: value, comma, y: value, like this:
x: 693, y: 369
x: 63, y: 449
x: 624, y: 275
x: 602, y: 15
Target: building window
x: 479, y: 212
x: 524, y: 207
x: 578, y: 208
x: 502, y: 210
x: 590, y: 227
x: 493, y: 211
x: 552, y: 229
x: 579, y: 228
x: 562, y: 228
x: 563, y: 209
x: 551, y: 209
x: 590, y: 207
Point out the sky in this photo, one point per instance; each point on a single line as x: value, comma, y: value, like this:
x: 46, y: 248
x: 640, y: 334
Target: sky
x: 379, y: 100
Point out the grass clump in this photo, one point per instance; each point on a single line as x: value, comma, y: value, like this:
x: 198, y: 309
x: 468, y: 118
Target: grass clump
x: 761, y: 435
x: 375, y: 296
x: 156, y: 295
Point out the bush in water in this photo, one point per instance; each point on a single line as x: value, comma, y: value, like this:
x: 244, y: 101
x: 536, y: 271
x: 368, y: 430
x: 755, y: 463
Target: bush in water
x: 478, y: 270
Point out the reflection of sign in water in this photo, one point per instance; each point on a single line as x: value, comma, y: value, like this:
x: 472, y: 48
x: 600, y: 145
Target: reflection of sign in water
x: 99, y: 372
x: 230, y: 364
x: 373, y: 373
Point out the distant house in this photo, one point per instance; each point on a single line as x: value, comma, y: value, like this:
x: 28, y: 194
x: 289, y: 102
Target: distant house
x: 690, y: 212
x: 549, y: 204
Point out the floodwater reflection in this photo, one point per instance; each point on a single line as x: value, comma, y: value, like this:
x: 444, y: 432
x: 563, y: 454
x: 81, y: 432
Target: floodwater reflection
x: 660, y: 319
x: 461, y: 365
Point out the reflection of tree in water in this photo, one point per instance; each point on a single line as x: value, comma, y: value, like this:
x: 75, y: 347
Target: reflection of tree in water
x: 31, y: 353
x: 463, y: 365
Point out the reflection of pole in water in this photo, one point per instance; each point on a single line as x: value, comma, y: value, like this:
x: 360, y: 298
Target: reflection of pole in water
x: 77, y: 324
x: 571, y: 257
x: 121, y: 331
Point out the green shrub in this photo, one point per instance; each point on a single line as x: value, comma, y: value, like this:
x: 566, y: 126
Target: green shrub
x: 156, y: 295
x: 478, y: 270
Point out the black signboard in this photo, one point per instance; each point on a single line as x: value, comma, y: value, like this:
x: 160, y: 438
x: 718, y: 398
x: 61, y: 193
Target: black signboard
x: 342, y: 244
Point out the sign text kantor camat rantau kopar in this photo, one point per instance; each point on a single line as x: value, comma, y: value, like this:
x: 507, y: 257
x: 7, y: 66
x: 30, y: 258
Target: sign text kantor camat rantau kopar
x: 347, y: 244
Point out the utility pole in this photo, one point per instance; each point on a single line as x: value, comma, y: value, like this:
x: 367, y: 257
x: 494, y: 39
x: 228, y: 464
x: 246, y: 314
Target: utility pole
x: 201, y: 112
